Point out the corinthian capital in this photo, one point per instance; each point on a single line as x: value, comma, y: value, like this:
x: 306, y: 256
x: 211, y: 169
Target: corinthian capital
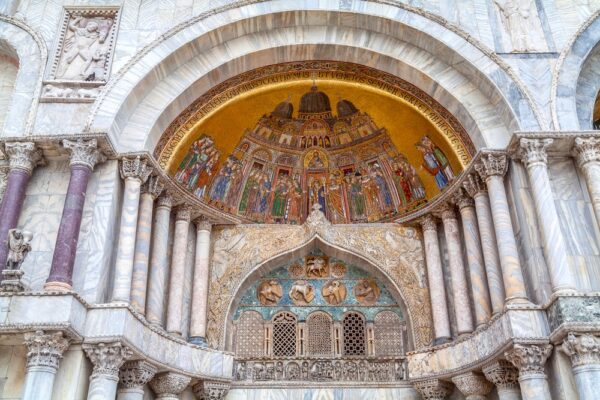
x: 491, y: 165
x: 529, y: 358
x: 473, y: 185
x: 583, y: 349
x: 461, y: 199
x: 136, y: 374
x: 472, y: 384
x: 45, y: 349
x: 586, y: 150
x: 203, y: 224
x: 135, y: 168
x: 211, y: 390
x: 184, y: 213
x: 84, y: 152
x: 533, y: 151
x: 428, y: 223
x: 502, y: 374
x: 154, y: 187
x: 169, y: 384
x: 433, y: 389
x: 107, y: 358
x: 23, y: 155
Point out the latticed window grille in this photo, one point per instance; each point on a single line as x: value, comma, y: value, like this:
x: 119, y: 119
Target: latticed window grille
x: 319, y: 334
x: 389, y: 339
x: 284, y: 334
x: 354, y: 334
x: 249, y: 337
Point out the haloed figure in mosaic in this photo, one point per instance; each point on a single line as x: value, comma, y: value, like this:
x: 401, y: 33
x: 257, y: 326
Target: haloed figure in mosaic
x: 435, y: 162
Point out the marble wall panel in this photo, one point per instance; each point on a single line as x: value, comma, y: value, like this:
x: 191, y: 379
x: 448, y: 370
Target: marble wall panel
x: 324, y: 394
x: 13, y: 378
x: 72, y: 379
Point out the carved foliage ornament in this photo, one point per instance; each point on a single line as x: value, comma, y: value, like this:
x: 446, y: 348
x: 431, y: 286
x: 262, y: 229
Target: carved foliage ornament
x: 45, y: 349
x: 492, y: 165
x: 135, y: 374
x: 84, y: 152
x: 433, y: 389
x: 473, y: 185
x: 107, y: 358
x: 154, y: 186
x: 207, y: 390
x: 472, y: 384
x: 583, y: 349
x: 529, y: 358
x: 136, y: 168
x: 502, y: 374
x: 23, y: 156
x: 533, y: 151
x: 586, y: 150
x: 169, y: 384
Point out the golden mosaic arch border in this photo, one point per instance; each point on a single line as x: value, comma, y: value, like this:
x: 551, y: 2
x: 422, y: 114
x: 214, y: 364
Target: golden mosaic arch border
x: 441, y: 118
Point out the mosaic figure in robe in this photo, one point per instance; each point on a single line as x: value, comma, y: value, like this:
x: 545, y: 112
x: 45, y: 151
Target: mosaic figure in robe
x: 435, y: 162
x: 335, y: 198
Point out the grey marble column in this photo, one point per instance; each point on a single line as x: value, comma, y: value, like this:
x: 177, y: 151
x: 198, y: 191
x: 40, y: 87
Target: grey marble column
x: 169, y: 385
x: 492, y: 168
x: 433, y: 389
x: 44, y: 352
x: 479, y: 285
x: 132, y: 378
x: 530, y: 360
x: 435, y: 276
x: 135, y: 172
x: 84, y: 157
x: 139, y: 281
x: 175, y: 305
x: 159, y: 262
x: 4, y: 169
x: 460, y: 290
x: 473, y: 386
x: 212, y: 390
x: 587, y: 154
x: 476, y: 189
x: 584, y: 350
x: 23, y: 157
x: 533, y: 155
x: 200, y: 283
x: 506, y: 378
x: 106, y: 358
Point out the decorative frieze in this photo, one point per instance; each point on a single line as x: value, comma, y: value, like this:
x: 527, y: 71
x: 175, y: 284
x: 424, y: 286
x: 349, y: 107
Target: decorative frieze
x: 586, y: 150
x: 107, y: 358
x: 210, y: 390
x: 23, y: 156
x: 169, y: 385
x: 136, y: 374
x: 45, y: 349
x: 491, y: 164
x: 472, y: 385
x: 583, y: 349
x: 529, y: 358
x: 533, y: 151
x: 136, y: 168
x: 433, y: 389
x: 84, y: 152
x: 502, y: 374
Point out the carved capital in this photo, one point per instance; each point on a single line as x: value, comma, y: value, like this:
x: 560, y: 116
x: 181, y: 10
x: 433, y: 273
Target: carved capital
x: 472, y: 384
x: 154, y: 187
x: 210, y: 390
x: 533, y: 151
x: 165, y: 200
x: 136, y: 374
x: 473, y: 185
x: 502, y: 374
x: 84, y: 152
x: 45, y: 349
x: 184, y: 213
x: 169, y: 384
x: 23, y: 156
x: 428, y: 223
x: 583, y: 349
x: 586, y: 150
x: 447, y: 212
x: 135, y: 168
x: 491, y: 165
x: 107, y: 358
x: 462, y: 200
x: 203, y: 224
x: 433, y: 389
x: 529, y: 358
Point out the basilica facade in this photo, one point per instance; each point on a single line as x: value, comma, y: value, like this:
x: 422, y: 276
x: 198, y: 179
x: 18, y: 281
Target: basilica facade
x: 299, y: 199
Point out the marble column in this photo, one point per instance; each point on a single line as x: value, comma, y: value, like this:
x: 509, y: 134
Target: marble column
x: 587, y: 154
x: 135, y: 172
x: 139, y: 281
x: 533, y: 155
x: 530, y: 360
x: 492, y: 168
x: 212, y: 390
x: 476, y: 189
x: 460, y: 290
x: 473, y: 386
x: 584, y: 351
x: 107, y: 359
x: 44, y: 352
x: 435, y: 277
x: 134, y: 375
x: 479, y: 286
x: 506, y: 379
x: 23, y: 157
x: 159, y: 262
x: 200, y: 283
x: 433, y: 389
x: 175, y: 305
x: 4, y: 168
x: 84, y: 157
x: 169, y: 385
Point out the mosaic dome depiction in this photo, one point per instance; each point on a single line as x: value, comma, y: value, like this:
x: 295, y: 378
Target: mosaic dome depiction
x: 286, y: 147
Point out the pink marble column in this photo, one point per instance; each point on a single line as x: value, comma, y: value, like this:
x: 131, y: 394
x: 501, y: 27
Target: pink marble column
x: 200, y: 283
x: 23, y: 158
x: 175, y: 305
x: 84, y: 156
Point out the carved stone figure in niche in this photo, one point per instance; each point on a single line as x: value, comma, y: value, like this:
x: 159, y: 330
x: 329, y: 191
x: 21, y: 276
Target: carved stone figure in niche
x: 334, y: 292
x: 269, y: 292
x: 367, y: 291
x: 302, y: 293
x: 18, y: 247
x: 338, y: 270
x: 316, y: 267
x: 435, y: 162
x: 518, y: 18
x: 292, y: 372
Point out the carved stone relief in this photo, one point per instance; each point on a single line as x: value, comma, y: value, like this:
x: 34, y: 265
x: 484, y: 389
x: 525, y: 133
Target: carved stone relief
x: 269, y: 292
x: 367, y: 292
x: 302, y: 293
x: 334, y: 292
x: 522, y: 28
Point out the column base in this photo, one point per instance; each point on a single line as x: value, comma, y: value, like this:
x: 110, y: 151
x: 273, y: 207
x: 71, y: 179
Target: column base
x: 199, y: 341
x: 518, y: 301
x: 57, y: 287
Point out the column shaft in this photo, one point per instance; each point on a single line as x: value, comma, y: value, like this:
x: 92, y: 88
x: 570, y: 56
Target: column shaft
x: 586, y: 379
x: 534, y: 387
x: 39, y: 382
x: 130, y: 394
x: 200, y: 283
x: 175, y: 306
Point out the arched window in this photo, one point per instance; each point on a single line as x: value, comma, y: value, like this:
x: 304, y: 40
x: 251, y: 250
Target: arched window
x: 249, y: 335
x: 389, y: 334
x: 319, y: 326
x: 354, y: 334
x: 284, y: 334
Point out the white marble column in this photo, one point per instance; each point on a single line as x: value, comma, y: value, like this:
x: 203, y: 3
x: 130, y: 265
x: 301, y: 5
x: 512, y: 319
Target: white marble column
x: 492, y: 168
x: 139, y: 281
x: 476, y: 189
x: 132, y: 378
x: 44, y: 352
x: 200, y: 283
x: 175, y: 305
x: 584, y: 351
x: 159, y: 262
x: 4, y: 169
x: 212, y: 390
x: 106, y: 358
x: 479, y: 286
x: 530, y: 360
x: 587, y: 154
x: 473, y: 386
x: 460, y: 290
x: 433, y: 389
x: 435, y: 276
x: 506, y: 378
x: 169, y: 385
x: 134, y: 172
x: 534, y: 157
